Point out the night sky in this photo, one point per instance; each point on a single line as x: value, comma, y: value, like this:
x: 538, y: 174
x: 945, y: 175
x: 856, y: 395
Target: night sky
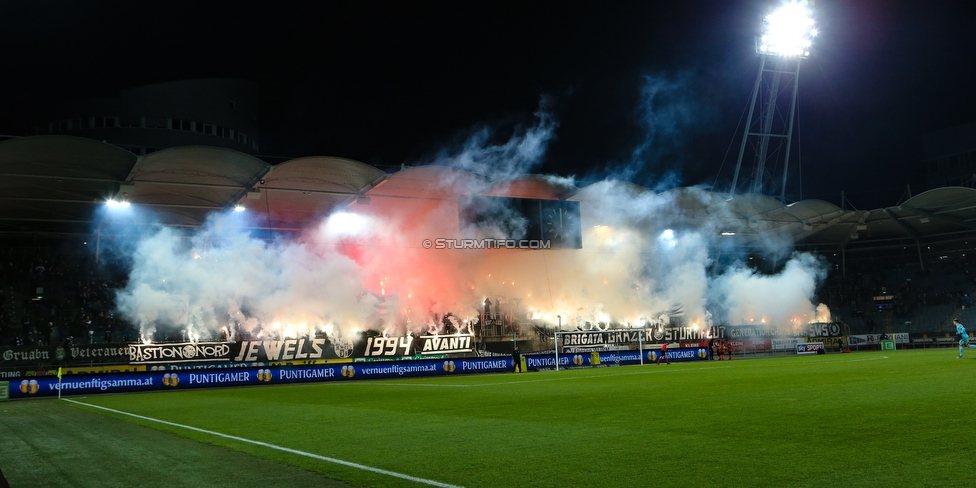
x: 392, y: 83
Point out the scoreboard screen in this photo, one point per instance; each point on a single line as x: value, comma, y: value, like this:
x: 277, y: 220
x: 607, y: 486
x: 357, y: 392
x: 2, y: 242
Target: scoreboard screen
x: 555, y: 221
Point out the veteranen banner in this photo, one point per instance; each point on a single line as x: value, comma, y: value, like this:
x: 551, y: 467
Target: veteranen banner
x: 86, y: 354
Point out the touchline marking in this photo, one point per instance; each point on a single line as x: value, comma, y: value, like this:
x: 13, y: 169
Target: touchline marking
x: 280, y: 448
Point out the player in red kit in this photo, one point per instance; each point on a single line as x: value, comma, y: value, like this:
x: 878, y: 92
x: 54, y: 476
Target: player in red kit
x: 664, y: 354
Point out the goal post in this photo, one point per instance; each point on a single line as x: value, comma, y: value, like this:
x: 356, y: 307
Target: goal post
x: 596, y: 341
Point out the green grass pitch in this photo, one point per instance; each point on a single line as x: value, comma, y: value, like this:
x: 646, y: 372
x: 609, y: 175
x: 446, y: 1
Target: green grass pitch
x: 894, y: 418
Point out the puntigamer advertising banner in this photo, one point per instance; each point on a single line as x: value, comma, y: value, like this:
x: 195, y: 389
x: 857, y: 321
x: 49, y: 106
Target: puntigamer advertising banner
x: 166, y: 380
x: 85, y: 384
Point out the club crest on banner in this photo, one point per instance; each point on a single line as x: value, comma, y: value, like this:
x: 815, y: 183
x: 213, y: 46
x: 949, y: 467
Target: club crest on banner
x: 343, y: 349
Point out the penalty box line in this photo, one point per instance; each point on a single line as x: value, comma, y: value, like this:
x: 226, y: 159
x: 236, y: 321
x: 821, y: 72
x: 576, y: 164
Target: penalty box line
x: 273, y: 446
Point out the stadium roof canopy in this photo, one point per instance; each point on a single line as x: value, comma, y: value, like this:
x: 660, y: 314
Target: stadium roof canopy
x: 57, y: 185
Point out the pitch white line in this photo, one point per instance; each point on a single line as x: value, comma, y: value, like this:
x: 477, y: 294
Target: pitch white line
x: 280, y: 448
x: 866, y: 359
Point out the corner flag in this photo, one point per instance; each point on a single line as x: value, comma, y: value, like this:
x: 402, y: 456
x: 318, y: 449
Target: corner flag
x: 59, y: 372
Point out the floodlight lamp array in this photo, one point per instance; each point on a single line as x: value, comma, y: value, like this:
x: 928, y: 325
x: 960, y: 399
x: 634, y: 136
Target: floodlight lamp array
x: 113, y: 203
x: 788, y: 31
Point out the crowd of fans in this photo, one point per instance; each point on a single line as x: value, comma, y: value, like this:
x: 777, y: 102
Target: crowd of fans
x: 896, y: 288
x: 58, y: 294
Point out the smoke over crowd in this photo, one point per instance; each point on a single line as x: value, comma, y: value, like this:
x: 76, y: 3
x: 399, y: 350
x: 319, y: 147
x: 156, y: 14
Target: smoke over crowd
x: 646, y: 258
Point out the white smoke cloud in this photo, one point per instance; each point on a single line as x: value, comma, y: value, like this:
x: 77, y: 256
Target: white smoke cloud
x: 780, y: 299
x: 220, y: 276
x: 482, y: 155
x: 645, y: 254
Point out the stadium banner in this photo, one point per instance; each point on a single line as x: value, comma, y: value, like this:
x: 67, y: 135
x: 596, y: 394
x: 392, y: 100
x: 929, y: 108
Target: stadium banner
x: 657, y: 335
x: 88, y: 354
x: 548, y: 361
x: 864, y: 340
x: 166, y: 380
x: 381, y: 359
x: 788, y: 344
x: 829, y: 341
x: 581, y: 342
x: 105, y: 368
x: 13, y: 373
x: 309, y: 362
x: 875, y: 339
x: 810, y: 348
x: 585, y: 341
x: 108, y: 368
x: 195, y: 366
x: 823, y: 329
x: 26, y: 356
x: 390, y: 347
x: 669, y: 334
x: 446, y: 344
x: 751, y: 345
x: 681, y: 354
x: 179, y: 352
x: 285, y: 350
x: 611, y: 358
x: 746, y: 331
x: 94, y: 353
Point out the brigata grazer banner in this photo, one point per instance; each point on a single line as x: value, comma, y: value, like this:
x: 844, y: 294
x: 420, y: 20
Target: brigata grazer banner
x: 572, y: 342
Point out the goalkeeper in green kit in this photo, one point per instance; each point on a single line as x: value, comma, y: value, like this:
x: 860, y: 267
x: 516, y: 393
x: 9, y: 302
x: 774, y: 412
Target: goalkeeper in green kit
x: 963, y: 337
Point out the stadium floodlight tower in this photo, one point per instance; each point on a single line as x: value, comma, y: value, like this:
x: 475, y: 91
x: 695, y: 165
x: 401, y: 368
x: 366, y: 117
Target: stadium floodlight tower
x: 787, y: 34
